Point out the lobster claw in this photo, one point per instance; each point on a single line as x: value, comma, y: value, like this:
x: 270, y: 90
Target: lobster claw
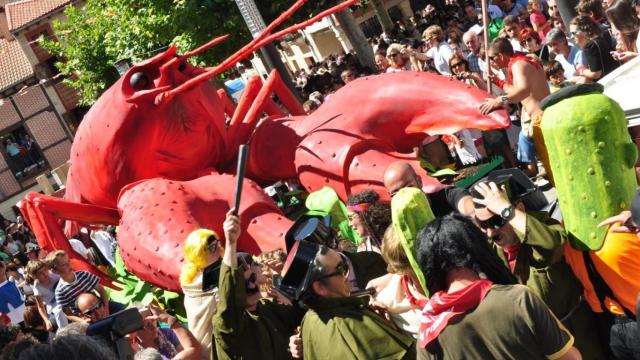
x: 45, y: 214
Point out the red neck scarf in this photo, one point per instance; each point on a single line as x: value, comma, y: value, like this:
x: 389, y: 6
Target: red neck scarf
x: 519, y: 57
x: 421, y: 303
x: 512, y: 254
x: 441, y: 307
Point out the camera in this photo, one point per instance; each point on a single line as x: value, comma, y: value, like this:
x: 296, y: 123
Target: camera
x: 114, y: 328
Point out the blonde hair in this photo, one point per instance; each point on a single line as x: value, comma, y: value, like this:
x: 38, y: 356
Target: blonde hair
x: 195, y: 254
x: 393, y: 252
x: 433, y: 32
x: 52, y: 258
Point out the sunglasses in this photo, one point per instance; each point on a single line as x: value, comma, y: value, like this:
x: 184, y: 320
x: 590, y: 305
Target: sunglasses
x: 528, y: 39
x: 495, y: 222
x: 342, y: 269
x: 456, y: 65
x: 92, y: 310
x: 212, y: 242
x: 493, y: 57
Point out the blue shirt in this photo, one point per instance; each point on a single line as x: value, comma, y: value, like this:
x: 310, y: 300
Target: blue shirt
x: 516, y: 10
x: 474, y: 63
x: 10, y: 295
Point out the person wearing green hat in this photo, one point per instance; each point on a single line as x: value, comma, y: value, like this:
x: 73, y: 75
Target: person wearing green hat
x: 402, y: 292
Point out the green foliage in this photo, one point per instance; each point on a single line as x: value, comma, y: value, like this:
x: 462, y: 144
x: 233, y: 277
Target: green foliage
x: 94, y: 37
x: 134, y: 291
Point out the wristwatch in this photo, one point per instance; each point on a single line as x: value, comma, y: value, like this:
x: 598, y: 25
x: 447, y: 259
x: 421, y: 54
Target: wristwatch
x: 508, y: 213
x: 505, y: 100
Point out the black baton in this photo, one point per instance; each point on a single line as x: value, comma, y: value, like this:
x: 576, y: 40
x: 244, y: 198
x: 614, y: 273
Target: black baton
x: 242, y: 164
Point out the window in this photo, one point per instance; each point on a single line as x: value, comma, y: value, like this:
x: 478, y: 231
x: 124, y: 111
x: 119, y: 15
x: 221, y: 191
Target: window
x: 50, y: 66
x: 22, y: 154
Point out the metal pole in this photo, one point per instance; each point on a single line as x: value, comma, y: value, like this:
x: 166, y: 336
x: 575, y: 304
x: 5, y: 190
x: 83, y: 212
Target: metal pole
x: 567, y: 10
x: 485, y: 35
x: 269, y: 53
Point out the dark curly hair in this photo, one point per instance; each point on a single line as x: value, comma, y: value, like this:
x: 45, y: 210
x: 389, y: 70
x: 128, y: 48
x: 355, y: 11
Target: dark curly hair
x: 377, y: 217
x: 454, y: 241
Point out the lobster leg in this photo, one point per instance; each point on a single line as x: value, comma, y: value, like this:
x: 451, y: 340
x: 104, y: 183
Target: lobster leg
x: 254, y: 102
x: 229, y: 106
x: 45, y: 215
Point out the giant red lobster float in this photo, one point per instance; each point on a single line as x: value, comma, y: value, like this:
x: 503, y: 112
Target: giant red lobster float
x: 154, y: 156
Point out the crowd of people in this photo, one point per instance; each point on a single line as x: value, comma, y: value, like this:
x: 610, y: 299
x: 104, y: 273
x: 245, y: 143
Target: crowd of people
x: 448, y: 42
x: 454, y: 274
x: 423, y: 260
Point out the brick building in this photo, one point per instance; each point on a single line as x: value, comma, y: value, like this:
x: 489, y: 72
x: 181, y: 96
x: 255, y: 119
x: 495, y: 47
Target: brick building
x: 38, y: 114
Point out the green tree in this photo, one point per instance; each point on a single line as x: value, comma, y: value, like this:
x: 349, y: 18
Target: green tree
x: 94, y: 37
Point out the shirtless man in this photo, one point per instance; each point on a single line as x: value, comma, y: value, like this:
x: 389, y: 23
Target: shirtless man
x: 526, y: 83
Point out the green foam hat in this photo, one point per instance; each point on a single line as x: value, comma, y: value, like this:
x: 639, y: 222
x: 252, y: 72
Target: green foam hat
x: 410, y: 212
x: 326, y: 202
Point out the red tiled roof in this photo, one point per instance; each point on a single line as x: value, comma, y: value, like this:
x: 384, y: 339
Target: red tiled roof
x: 25, y: 12
x: 14, y: 65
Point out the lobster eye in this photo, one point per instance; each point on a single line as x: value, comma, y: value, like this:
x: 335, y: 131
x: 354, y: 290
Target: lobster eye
x: 182, y: 65
x: 138, y: 81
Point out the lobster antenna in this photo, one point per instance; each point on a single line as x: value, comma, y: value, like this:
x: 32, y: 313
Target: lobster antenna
x: 194, y: 52
x: 262, y: 39
x: 204, y: 47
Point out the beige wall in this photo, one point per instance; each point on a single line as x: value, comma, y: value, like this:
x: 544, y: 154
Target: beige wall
x: 327, y: 43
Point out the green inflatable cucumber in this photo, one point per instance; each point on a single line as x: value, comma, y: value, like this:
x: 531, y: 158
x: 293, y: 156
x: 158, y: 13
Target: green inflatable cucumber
x: 592, y: 159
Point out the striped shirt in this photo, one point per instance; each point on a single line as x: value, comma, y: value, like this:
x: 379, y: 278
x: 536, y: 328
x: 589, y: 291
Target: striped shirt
x: 67, y: 293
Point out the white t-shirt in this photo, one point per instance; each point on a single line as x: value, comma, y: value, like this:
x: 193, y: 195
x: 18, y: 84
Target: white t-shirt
x: 106, y: 243
x: 517, y: 47
x: 79, y: 247
x: 13, y: 248
x: 47, y: 292
x: 441, y: 55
